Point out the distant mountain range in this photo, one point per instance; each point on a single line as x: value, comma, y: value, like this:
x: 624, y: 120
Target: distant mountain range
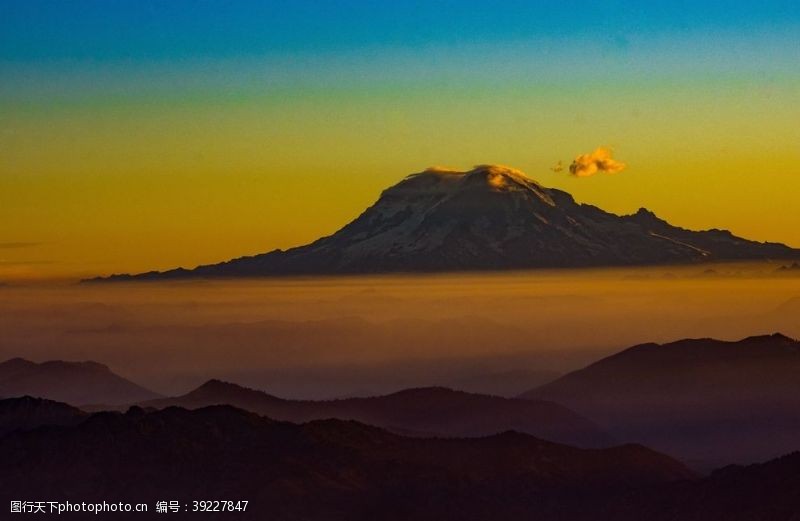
x: 76, y: 383
x: 322, y: 470
x: 704, y: 400
x: 707, y: 402
x: 489, y: 218
x: 433, y: 411
x: 438, y: 454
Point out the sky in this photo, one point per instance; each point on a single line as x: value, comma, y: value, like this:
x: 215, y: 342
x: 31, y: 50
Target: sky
x: 138, y: 135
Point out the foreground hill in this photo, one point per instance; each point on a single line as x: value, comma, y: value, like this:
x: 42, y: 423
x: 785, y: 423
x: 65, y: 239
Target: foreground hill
x: 489, y: 218
x: 701, y: 400
x: 760, y: 492
x: 426, y: 411
x: 26, y: 413
x: 336, y: 470
x: 76, y: 383
x: 327, y: 469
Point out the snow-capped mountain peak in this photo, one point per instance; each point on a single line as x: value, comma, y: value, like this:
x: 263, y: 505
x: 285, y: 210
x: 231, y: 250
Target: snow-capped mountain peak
x: 492, y: 217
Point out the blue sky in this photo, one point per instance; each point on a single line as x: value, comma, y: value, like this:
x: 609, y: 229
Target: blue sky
x: 35, y: 30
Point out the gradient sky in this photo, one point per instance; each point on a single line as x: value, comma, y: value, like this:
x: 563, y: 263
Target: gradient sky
x: 140, y: 135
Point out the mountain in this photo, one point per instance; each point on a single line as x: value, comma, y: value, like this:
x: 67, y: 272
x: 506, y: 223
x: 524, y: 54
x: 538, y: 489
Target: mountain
x: 416, y: 412
x: 76, y: 383
x: 489, y: 218
x: 702, y: 400
x: 336, y: 470
x: 327, y: 469
x: 762, y: 492
x: 28, y: 413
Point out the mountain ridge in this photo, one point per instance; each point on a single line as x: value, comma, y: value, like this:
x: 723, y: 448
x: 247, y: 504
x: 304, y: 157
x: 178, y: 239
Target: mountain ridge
x: 76, y: 383
x: 26, y: 412
x: 696, y: 399
x: 321, y: 470
x: 332, y: 469
x: 425, y: 411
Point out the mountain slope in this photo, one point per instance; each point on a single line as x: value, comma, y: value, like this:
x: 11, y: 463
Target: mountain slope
x: 703, y: 399
x: 762, y: 492
x: 335, y: 470
x: 320, y: 470
x: 489, y: 218
x: 426, y: 411
x: 28, y: 413
x: 76, y: 383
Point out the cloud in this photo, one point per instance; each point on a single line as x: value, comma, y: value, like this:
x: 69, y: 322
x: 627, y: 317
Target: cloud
x: 600, y: 160
x: 17, y: 245
x: 4, y: 262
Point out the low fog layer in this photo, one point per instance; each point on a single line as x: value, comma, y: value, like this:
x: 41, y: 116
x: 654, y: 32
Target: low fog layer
x: 329, y: 337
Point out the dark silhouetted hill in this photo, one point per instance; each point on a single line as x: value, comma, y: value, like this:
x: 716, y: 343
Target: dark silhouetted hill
x: 76, y: 383
x: 323, y: 470
x: 761, y: 492
x: 28, y: 413
x: 420, y: 412
x: 700, y: 400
